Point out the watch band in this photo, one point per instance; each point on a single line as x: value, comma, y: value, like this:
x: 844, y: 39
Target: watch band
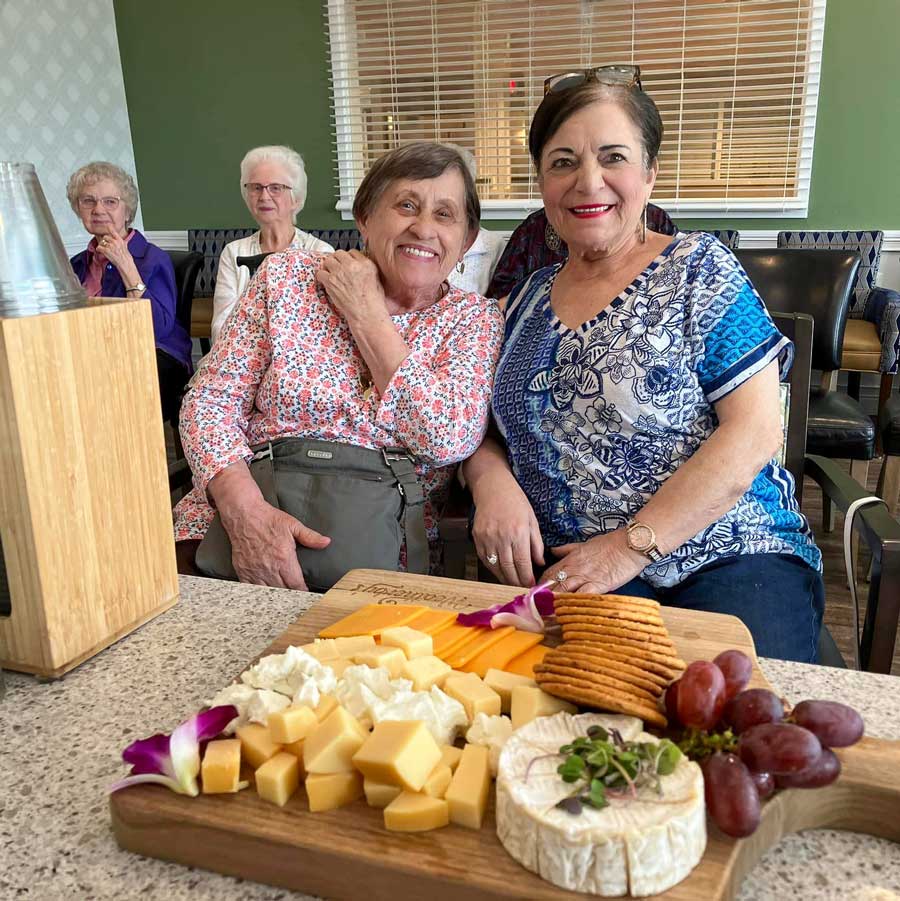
x: 648, y: 547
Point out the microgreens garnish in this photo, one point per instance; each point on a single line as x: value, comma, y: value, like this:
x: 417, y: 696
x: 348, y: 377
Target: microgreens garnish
x: 698, y: 744
x: 602, y: 765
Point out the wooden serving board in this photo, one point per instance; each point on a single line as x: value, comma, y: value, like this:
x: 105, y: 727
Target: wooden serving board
x: 346, y: 853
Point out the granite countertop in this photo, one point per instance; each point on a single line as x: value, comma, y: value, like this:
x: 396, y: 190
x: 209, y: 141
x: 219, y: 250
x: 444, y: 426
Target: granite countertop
x: 60, y: 744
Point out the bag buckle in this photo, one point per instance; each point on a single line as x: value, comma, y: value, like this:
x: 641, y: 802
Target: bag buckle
x: 393, y: 454
x: 265, y: 454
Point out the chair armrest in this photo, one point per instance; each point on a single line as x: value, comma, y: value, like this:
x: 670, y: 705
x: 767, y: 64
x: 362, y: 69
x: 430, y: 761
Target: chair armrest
x: 881, y: 533
x: 883, y: 309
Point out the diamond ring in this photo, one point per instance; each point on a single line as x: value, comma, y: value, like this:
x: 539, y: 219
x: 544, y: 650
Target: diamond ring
x: 561, y: 576
x: 492, y: 559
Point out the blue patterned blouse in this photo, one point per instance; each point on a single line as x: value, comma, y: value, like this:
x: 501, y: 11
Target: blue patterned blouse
x: 597, y: 418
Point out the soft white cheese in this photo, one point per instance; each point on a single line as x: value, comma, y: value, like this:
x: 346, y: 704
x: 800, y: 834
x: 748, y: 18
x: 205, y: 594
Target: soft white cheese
x: 238, y: 695
x: 263, y: 703
x: 493, y: 732
x: 288, y: 672
x: 441, y: 714
x: 360, y: 685
x: 639, y: 846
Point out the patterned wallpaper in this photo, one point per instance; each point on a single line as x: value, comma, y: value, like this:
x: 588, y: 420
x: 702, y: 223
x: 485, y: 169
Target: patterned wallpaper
x: 62, y: 98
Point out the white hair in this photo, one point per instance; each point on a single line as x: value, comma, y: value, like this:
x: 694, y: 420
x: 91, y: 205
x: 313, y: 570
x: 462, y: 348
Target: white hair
x: 283, y: 156
x: 467, y: 157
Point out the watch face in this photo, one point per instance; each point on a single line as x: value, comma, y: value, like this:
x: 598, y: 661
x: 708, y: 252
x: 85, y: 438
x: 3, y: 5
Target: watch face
x: 641, y: 537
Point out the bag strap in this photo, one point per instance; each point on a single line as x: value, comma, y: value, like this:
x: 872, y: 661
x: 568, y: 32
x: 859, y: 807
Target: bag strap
x: 403, y: 467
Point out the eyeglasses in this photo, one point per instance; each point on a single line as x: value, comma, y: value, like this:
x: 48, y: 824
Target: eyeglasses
x: 108, y: 203
x: 274, y: 189
x: 620, y: 76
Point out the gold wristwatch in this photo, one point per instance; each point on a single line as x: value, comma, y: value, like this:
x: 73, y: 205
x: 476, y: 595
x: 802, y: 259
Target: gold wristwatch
x: 642, y: 538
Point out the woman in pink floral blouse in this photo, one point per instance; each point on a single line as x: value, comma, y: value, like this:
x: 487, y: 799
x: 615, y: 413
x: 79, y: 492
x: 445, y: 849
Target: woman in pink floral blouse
x: 370, y: 349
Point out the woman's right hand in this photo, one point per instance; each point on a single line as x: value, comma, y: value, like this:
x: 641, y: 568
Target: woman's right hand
x: 505, y: 526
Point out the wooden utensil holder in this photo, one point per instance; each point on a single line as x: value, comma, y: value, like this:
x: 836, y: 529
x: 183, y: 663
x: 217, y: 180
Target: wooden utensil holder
x: 85, y: 511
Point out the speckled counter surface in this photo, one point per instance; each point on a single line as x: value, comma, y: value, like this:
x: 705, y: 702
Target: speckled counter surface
x: 60, y: 744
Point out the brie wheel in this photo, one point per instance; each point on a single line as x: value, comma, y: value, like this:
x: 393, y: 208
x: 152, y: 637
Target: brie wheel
x: 639, y: 846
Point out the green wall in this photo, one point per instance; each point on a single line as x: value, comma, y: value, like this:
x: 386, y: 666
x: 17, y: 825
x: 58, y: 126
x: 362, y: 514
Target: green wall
x: 206, y: 82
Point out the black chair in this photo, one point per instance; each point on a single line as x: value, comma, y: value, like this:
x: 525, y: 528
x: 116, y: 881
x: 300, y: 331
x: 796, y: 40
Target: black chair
x: 819, y: 283
x: 187, y: 264
x: 252, y: 262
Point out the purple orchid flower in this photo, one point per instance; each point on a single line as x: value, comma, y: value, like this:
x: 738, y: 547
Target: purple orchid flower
x: 174, y: 760
x: 525, y: 611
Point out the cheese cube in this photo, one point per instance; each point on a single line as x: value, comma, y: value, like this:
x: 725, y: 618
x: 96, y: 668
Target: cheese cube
x: 330, y: 747
x: 329, y: 790
x: 411, y: 812
x: 327, y: 704
x: 528, y: 702
x: 473, y: 694
x: 338, y: 665
x: 392, y: 659
x: 296, y: 748
x: 503, y: 683
x: 412, y: 642
x: 291, y: 724
x: 277, y: 779
x: 450, y: 755
x: 379, y: 794
x: 400, y: 753
x: 347, y: 647
x: 437, y: 781
x: 221, y: 767
x: 257, y: 744
x: 424, y: 672
x: 323, y: 649
x: 467, y: 794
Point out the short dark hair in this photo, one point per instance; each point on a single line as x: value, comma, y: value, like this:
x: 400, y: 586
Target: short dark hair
x: 416, y: 161
x: 555, y: 109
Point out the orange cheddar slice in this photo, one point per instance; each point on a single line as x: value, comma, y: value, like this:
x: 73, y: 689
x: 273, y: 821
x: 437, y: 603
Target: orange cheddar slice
x: 498, y: 655
x: 453, y: 637
x: 372, y: 619
x: 487, y: 639
x: 524, y: 663
x: 432, y: 621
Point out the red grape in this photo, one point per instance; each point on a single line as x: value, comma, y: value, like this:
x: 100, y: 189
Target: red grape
x: 736, y: 668
x: 701, y: 695
x: 823, y: 771
x: 672, y: 701
x: 835, y: 725
x: 778, y: 748
x: 731, y: 795
x: 752, y: 707
x: 765, y: 784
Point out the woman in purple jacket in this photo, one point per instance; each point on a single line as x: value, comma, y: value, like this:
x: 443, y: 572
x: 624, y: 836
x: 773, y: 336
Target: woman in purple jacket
x: 121, y: 262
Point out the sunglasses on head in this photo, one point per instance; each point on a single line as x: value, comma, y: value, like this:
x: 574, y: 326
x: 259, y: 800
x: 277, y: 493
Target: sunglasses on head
x: 620, y: 76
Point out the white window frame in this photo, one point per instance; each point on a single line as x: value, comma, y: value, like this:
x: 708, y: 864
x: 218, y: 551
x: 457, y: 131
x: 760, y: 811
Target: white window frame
x: 340, y: 24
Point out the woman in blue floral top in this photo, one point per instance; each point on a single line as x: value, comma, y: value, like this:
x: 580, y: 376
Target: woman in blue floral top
x: 636, y: 397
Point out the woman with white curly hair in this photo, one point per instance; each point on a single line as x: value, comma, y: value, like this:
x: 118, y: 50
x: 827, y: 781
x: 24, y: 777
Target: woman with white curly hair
x: 120, y: 262
x: 273, y: 185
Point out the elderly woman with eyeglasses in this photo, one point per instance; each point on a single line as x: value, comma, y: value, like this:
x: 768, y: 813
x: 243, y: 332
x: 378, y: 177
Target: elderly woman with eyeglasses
x: 273, y: 185
x: 637, y: 398
x: 120, y: 262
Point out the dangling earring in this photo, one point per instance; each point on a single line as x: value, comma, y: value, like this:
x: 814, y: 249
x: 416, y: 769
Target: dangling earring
x: 363, y: 248
x: 551, y: 238
x: 460, y: 267
x: 644, y: 225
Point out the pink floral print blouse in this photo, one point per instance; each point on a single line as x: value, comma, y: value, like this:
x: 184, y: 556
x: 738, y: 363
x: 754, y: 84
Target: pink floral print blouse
x: 286, y: 365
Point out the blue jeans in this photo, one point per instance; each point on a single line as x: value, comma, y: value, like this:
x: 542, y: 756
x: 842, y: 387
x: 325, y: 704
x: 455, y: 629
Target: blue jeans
x: 777, y: 596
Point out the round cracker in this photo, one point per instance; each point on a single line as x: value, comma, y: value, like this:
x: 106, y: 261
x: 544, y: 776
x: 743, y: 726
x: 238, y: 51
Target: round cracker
x: 615, y: 705
x: 588, y: 678
x: 617, y: 622
x: 662, y: 642
x: 650, y: 653
x: 615, y: 668
x: 660, y: 675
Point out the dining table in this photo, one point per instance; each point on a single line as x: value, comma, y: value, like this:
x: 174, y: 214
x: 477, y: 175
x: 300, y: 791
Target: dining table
x: 61, y: 743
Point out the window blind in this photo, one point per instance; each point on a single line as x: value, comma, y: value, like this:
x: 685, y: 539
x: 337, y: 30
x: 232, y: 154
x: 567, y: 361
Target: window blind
x: 736, y: 82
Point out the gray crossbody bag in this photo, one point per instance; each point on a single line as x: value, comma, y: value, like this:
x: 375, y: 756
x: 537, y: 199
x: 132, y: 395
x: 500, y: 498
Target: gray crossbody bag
x: 367, y: 501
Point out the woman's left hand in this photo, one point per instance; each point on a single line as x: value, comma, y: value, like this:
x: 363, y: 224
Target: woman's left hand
x: 352, y: 283
x: 115, y: 249
x: 596, y: 566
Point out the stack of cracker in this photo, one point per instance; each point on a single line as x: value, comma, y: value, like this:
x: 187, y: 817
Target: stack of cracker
x: 616, y: 655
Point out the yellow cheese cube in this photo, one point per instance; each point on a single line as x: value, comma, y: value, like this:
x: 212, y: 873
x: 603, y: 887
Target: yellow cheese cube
x: 400, y: 753
x: 473, y: 694
x: 330, y: 747
x: 503, y: 683
x: 528, y: 702
x: 437, y: 781
x: 424, y: 672
x: 450, y: 755
x: 392, y: 659
x: 296, y: 748
x: 323, y: 649
x: 292, y: 724
x: 379, y: 794
x: 221, y: 767
x: 347, y: 647
x: 412, y: 812
x: 338, y: 665
x: 467, y: 794
x: 277, y: 779
x: 412, y: 642
x: 257, y: 744
x: 329, y: 790
x: 327, y: 704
